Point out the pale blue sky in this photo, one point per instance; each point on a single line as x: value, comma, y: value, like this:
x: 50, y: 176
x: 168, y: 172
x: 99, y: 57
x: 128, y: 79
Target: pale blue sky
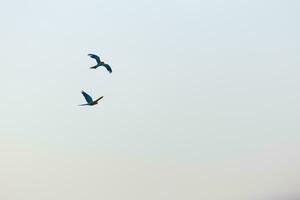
x: 200, y: 90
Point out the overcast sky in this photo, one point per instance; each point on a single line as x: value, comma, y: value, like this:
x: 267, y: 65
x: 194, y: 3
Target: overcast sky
x: 203, y: 101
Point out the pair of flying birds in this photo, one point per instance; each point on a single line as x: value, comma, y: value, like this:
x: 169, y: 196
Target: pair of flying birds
x: 88, y: 98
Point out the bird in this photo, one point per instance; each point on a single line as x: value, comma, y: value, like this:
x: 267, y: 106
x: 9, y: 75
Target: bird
x: 99, y: 63
x: 89, y: 99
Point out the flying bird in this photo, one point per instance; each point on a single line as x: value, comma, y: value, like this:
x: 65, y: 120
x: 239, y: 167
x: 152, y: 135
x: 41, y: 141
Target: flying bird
x: 89, y: 99
x: 99, y: 63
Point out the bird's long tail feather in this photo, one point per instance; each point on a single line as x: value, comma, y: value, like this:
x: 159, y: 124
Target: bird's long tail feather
x: 94, y: 67
x: 83, y: 104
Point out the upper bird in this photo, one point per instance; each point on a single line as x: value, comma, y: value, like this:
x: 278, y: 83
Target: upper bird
x: 89, y: 99
x: 100, y: 63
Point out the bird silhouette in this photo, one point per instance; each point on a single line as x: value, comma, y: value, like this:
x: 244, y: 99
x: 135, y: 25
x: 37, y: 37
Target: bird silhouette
x: 89, y: 99
x: 99, y: 63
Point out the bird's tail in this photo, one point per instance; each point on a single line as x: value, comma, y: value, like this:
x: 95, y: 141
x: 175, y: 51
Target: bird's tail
x: 94, y: 67
x: 83, y: 104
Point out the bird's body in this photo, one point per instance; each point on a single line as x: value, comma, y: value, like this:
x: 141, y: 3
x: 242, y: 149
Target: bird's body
x: 99, y: 63
x: 89, y: 99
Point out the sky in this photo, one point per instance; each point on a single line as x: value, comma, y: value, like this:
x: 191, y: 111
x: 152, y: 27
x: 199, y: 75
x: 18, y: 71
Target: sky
x: 202, y: 103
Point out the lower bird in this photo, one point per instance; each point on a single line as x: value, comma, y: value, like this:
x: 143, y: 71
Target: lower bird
x: 89, y: 99
x: 100, y: 63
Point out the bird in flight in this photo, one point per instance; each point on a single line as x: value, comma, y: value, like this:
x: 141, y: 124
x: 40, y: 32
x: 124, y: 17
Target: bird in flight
x: 89, y: 99
x: 100, y: 63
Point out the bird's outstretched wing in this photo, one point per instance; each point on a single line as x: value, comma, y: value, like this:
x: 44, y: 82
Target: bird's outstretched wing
x: 97, y: 58
x: 87, y: 97
x: 107, y: 67
x: 99, y: 99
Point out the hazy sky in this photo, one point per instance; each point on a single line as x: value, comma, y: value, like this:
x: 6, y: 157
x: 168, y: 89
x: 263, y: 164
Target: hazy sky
x: 203, y: 101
